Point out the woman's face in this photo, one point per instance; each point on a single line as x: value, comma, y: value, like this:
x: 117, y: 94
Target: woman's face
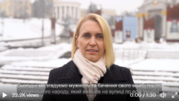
x: 90, y: 40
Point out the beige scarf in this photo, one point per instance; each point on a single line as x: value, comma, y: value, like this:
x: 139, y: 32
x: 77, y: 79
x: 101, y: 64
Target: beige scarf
x: 91, y: 71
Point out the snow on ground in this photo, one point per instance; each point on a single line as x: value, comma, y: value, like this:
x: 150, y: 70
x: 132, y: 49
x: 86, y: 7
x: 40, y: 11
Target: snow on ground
x: 119, y: 49
x: 40, y: 54
x: 127, y: 45
x: 56, y: 63
x: 157, y: 64
x: 164, y: 71
x: 127, y: 63
x: 55, y: 51
x: 53, y: 63
x: 125, y: 53
x: 2, y: 48
x: 66, y: 47
x: 148, y: 46
x: 31, y: 28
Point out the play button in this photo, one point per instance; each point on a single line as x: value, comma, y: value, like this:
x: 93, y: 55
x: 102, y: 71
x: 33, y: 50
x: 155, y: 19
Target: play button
x: 4, y: 95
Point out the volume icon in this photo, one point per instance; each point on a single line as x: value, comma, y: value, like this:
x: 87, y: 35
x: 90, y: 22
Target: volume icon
x: 163, y: 95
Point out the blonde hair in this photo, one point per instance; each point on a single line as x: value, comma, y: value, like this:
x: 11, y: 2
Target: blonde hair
x: 109, y: 52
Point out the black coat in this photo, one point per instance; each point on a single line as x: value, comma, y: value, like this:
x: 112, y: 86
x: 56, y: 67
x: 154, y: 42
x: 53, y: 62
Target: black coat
x: 69, y: 74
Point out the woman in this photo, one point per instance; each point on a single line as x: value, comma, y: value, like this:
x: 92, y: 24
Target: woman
x: 92, y: 62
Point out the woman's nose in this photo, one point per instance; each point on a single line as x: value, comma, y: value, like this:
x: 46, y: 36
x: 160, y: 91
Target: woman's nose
x: 92, y: 41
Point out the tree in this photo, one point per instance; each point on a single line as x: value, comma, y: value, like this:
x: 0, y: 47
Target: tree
x: 42, y: 8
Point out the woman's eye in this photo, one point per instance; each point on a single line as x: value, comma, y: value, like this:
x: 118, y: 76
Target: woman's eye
x: 100, y: 36
x: 86, y: 35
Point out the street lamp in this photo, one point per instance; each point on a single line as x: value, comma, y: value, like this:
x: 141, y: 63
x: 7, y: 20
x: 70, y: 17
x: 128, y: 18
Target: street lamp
x: 53, y: 22
x: 43, y: 2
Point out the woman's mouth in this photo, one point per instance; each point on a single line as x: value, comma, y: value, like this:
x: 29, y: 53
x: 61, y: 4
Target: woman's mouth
x: 92, y: 51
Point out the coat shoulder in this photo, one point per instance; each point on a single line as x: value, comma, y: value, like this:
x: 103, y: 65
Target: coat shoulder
x: 121, y: 73
x: 117, y: 68
x: 53, y: 75
x: 57, y: 70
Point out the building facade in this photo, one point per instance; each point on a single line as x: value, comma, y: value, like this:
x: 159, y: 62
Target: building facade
x: 125, y: 28
x: 15, y: 8
x: 109, y: 16
x: 129, y: 27
x: 63, y: 9
x: 158, y: 19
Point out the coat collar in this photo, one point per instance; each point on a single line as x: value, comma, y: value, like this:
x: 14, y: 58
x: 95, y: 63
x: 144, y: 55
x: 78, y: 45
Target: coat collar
x: 71, y: 74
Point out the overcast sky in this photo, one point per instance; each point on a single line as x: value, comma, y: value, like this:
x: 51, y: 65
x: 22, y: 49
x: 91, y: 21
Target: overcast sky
x: 118, y: 5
